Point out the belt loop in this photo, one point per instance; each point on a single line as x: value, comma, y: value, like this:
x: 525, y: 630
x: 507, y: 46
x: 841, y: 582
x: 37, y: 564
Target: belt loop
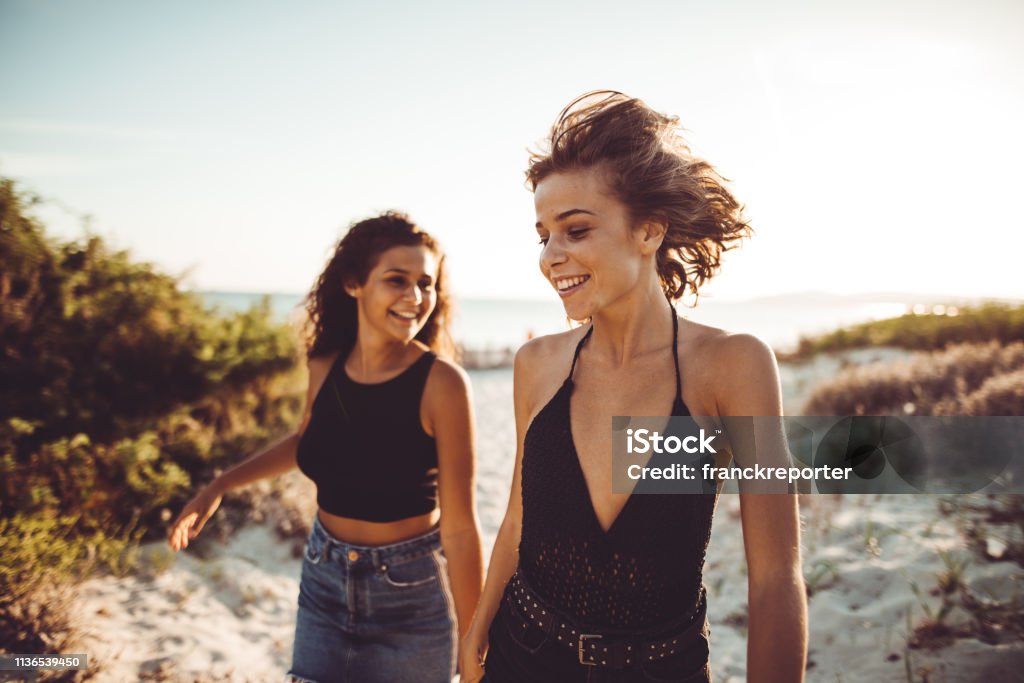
x: 375, y: 558
x: 325, y: 552
x: 322, y: 533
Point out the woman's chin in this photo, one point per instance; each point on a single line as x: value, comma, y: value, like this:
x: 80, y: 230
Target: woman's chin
x: 574, y: 311
x: 404, y: 333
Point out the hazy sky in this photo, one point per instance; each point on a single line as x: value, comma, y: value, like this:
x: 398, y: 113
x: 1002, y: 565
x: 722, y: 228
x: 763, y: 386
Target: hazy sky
x: 877, y: 145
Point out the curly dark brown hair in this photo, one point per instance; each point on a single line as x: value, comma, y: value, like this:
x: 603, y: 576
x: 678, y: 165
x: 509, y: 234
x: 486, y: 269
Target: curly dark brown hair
x: 651, y: 169
x: 332, y: 320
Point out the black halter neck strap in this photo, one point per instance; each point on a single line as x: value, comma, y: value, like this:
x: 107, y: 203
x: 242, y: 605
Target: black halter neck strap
x: 579, y: 347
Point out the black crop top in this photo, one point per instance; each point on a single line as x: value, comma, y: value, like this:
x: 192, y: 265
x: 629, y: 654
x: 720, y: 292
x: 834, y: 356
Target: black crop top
x: 365, y: 449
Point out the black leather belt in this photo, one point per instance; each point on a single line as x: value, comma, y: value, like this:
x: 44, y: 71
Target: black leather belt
x: 616, y: 651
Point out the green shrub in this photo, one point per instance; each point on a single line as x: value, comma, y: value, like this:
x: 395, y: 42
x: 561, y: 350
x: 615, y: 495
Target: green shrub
x: 99, y: 344
x: 998, y: 322
x: 120, y: 394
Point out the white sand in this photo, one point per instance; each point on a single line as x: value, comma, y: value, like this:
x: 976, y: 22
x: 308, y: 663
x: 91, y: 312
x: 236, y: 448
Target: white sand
x: 231, y: 617
x: 858, y: 614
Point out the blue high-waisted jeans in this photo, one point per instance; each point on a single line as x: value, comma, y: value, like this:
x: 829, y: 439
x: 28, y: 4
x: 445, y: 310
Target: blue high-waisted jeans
x: 382, y: 613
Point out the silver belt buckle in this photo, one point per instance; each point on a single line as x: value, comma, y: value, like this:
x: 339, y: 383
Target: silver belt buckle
x: 583, y: 637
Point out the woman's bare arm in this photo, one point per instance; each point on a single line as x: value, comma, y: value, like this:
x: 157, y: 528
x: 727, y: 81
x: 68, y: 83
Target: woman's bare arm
x: 776, y: 597
x: 451, y: 415
x: 505, y: 555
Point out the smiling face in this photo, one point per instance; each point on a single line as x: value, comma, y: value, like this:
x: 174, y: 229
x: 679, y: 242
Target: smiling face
x: 399, y: 293
x: 592, y: 255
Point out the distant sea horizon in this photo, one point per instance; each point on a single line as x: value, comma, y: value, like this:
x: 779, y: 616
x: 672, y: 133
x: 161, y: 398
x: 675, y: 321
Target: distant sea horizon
x: 780, y: 320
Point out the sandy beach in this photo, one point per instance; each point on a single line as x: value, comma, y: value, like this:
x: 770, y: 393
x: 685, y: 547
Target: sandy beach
x: 873, y: 564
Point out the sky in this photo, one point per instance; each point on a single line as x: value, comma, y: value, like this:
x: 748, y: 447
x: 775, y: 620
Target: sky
x: 876, y: 145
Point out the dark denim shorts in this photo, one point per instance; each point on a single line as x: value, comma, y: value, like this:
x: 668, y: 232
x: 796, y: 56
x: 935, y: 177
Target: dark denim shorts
x: 514, y: 657
x: 367, y: 614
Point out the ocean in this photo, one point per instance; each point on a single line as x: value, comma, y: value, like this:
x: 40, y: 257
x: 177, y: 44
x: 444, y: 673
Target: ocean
x: 492, y: 324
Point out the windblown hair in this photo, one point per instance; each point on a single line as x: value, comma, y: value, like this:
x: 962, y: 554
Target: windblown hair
x: 651, y: 170
x: 332, y: 321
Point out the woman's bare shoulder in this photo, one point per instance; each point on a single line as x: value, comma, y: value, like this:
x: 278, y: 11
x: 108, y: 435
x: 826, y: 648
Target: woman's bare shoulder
x: 447, y: 377
x: 721, y: 349
x: 735, y: 373
x: 724, y: 366
x: 546, y: 353
x: 543, y: 363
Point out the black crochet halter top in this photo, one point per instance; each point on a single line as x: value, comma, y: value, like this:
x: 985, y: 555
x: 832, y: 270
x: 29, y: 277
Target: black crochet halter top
x: 645, y: 570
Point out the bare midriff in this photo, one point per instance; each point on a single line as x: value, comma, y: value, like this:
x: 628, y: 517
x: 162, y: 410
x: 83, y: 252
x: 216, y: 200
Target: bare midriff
x: 361, y: 532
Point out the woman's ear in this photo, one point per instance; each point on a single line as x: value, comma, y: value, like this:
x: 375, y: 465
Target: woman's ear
x: 650, y: 233
x: 353, y: 289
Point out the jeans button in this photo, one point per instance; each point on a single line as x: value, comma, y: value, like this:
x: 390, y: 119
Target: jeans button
x: 353, y: 556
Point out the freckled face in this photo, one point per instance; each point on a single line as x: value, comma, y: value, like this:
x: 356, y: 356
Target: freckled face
x: 399, y: 293
x: 590, y: 253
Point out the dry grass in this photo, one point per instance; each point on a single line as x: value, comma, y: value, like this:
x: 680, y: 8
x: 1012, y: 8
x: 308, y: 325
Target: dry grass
x: 965, y: 379
x: 41, y: 622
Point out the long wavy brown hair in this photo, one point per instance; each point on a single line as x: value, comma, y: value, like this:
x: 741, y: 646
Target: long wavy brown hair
x: 332, y: 321
x: 651, y: 169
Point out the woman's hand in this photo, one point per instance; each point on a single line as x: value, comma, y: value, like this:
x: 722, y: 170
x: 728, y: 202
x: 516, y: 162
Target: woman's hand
x: 471, y: 655
x: 193, y: 516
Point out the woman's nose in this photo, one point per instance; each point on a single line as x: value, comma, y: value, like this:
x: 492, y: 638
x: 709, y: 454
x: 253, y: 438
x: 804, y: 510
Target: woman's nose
x: 415, y: 294
x: 551, y: 255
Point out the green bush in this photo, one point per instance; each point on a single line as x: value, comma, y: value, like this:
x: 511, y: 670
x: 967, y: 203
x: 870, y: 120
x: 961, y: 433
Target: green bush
x: 1003, y: 323
x: 97, y: 343
x: 120, y: 393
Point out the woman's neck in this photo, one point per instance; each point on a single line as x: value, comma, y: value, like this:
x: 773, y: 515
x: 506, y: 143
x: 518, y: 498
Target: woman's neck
x: 635, y: 324
x: 373, y: 355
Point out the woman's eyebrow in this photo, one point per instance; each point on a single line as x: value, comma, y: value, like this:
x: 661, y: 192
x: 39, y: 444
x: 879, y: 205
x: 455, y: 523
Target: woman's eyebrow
x: 571, y: 212
x: 403, y: 271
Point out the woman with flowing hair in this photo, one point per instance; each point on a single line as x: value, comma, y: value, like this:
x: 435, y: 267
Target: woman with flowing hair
x: 586, y: 584
x: 392, y: 568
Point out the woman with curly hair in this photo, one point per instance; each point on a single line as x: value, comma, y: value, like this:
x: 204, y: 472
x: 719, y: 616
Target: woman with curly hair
x: 392, y: 568
x: 586, y: 584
